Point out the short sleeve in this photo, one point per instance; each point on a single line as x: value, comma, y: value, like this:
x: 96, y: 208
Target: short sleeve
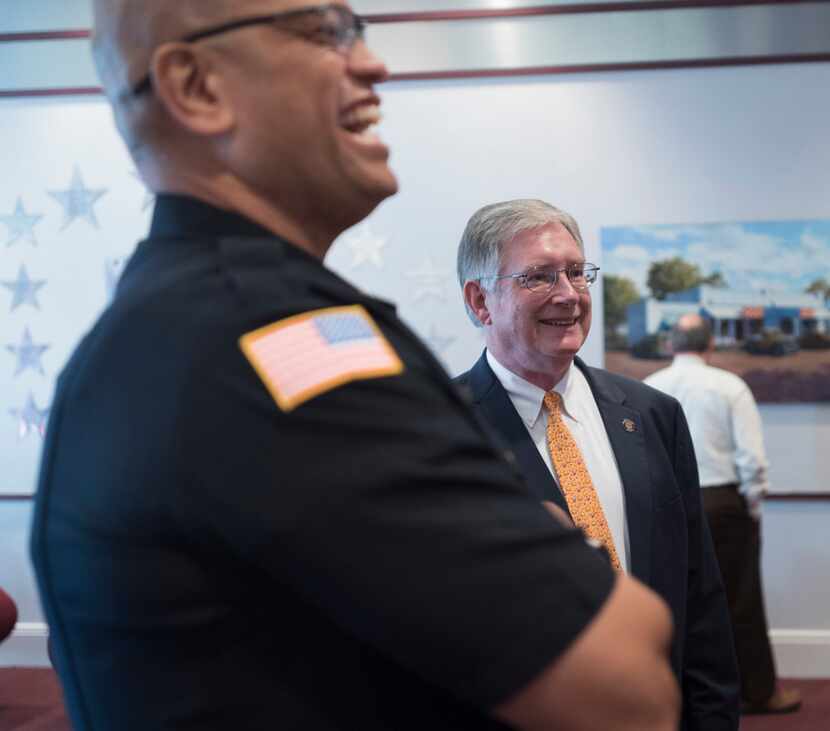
x: 382, y: 503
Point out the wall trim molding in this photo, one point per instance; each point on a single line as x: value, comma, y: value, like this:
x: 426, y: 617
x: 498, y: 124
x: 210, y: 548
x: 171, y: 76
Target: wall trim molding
x: 566, y: 9
x: 58, y: 91
x: 692, y: 63
x: 26, y: 647
x: 614, y: 6
x: 796, y: 496
x: 449, y: 69
x: 45, y: 35
x: 31, y: 629
x: 799, y: 653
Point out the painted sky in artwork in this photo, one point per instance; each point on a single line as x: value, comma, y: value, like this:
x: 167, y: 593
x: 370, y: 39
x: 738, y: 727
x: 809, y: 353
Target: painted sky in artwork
x: 765, y: 255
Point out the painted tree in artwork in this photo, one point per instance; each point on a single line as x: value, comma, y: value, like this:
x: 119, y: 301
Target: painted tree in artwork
x: 676, y: 274
x: 715, y: 279
x: 617, y: 294
x: 820, y: 287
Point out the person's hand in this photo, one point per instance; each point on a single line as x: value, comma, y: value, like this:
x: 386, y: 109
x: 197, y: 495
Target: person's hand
x: 558, y: 513
x: 754, y: 505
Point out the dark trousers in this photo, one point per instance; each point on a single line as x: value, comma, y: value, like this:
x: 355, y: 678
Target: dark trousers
x: 737, y: 539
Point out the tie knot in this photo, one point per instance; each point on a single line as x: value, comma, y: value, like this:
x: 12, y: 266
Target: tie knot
x: 553, y: 401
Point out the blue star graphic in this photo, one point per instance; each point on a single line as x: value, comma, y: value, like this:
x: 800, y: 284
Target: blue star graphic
x: 430, y: 281
x: 366, y: 247
x: 78, y: 201
x: 21, y: 225
x: 28, y: 354
x: 30, y: 418
x: 24, y: 290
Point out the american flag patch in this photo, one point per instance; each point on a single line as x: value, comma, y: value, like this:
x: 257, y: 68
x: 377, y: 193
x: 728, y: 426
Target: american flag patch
x: 306, y: 355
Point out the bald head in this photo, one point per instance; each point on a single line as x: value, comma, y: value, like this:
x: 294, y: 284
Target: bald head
x: 264, y: 112
x: 127, y: 31
x: 691, y: 334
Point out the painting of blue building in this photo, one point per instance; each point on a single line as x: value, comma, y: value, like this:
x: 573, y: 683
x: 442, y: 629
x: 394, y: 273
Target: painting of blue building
x: 764, y: 286
x: 736, y: 315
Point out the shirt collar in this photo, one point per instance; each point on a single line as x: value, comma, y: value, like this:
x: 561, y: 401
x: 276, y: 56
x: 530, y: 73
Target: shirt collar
x: 688, y: 359
x: 180, y: 216
x: 528, y: 398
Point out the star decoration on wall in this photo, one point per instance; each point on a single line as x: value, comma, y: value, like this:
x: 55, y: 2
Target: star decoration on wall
x: 30, y: 418
x: 438, y: 341
x: 28, y: 354
x: 78, y: 201
x: 112, y: 273
x: 366, y: 247
x: 21, y: 225
x: 429, y: 281
x: 23, y: 289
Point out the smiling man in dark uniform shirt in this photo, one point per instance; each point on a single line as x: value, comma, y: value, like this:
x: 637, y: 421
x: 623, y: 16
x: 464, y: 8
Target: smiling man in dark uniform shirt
x: 262, y: 503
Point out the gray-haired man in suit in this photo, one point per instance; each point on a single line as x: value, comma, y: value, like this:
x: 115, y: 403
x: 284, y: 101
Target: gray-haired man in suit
x: 525, y: 281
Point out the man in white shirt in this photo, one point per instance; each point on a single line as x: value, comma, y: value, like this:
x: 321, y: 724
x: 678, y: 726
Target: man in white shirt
x: 726, y: 431
x: 613, y: 453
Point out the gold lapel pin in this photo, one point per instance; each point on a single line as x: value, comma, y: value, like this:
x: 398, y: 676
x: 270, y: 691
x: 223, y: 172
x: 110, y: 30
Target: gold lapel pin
x: 629, y: 425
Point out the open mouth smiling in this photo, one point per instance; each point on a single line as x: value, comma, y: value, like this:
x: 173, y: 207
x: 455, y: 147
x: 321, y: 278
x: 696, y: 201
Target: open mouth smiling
x: 360, y: 119
x: 563, y: 322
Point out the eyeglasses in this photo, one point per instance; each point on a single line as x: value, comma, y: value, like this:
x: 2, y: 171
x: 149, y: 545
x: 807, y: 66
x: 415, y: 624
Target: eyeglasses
x: 332, y: 26
x: 544, y: 279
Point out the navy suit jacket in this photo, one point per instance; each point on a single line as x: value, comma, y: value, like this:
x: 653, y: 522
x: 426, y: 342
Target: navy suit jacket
x: 671, y: 549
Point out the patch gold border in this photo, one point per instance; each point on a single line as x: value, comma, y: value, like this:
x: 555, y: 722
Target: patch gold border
x: 286, y: 404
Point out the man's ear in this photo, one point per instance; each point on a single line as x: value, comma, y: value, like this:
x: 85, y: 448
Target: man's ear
x: 188, y: 86
x: 475, y: 297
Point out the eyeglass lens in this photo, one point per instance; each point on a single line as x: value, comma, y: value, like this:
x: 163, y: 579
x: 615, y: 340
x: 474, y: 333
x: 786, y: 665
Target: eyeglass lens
x: 335, y: 26
x: 579, y: 275
x: 340, y: 28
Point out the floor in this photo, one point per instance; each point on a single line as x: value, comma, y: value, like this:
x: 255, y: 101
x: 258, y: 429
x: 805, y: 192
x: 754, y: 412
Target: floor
x: 30, y: 700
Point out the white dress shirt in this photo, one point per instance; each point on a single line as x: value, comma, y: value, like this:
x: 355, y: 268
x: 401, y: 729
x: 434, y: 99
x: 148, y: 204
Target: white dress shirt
x: 723, y: 420
x: 582, y: 417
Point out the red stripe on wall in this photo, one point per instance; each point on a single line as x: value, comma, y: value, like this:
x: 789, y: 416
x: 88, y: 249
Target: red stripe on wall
x: 473, y: 14
x: 65, y: 91
x: 510, y: 72
x: 573, y: 9
x: 44, y: 35
x: 633, y: 66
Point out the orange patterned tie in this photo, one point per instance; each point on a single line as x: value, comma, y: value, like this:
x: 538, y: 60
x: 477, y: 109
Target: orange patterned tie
x: 574, y: 479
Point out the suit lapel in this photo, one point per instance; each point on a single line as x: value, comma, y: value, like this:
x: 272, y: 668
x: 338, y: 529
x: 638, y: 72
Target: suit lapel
x: 497, y: 410
x: 624, y: 427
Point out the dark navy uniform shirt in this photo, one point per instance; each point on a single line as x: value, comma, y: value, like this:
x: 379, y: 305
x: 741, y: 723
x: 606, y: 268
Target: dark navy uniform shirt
x: 210, y: 560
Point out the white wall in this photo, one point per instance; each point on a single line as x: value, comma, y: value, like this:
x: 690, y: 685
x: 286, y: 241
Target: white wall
x: 796, y: 568
x: 686, y: 146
